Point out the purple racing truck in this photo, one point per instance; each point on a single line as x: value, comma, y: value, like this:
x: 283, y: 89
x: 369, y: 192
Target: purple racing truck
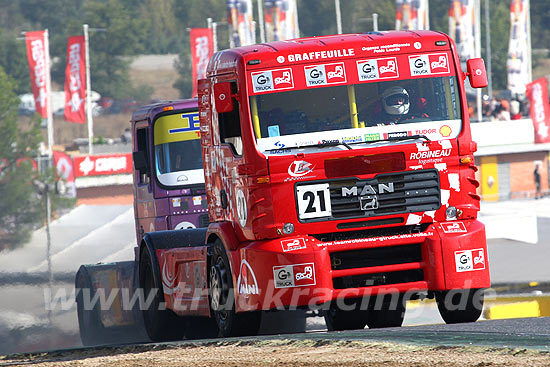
x: 169, y: 194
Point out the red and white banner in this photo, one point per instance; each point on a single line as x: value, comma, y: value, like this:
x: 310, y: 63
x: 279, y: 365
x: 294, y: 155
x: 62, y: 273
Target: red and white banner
x: 537, y: 92
x: 411, y: 14
x: 461, y: 27
x: 240, y: 22
x: 37, y: 55
x: 75, y: 81
x: 517, y: 64
x: 96, y: 165
x: 281, y: 20
x: 65, y: 171
x: 202, y: 48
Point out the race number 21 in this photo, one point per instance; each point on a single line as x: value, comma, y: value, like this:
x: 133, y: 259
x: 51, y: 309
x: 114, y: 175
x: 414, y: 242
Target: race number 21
x: 313, y: 201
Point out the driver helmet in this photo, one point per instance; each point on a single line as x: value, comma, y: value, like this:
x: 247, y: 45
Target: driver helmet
x: 396, y: 101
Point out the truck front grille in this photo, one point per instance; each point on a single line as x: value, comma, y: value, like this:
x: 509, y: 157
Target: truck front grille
x: 377, y: 279
x: 409, y: 192
x: 377, y: 256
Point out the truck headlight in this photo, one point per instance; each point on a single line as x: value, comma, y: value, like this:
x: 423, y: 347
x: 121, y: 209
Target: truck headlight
x: 288, y: 228
x: 451, y: 213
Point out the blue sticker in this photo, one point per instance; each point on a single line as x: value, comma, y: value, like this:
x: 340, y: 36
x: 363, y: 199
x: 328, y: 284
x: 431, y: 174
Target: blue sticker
x: 273, y: 131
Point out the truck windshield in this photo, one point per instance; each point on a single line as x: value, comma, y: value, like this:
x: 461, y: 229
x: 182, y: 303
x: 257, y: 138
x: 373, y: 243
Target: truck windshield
x: 357, y: 113
x: 178, y: 154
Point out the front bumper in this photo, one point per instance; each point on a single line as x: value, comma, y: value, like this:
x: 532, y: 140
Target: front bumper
x: 302, y: 271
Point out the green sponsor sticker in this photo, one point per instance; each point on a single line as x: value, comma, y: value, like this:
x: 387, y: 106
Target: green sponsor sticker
x: 372, y: 137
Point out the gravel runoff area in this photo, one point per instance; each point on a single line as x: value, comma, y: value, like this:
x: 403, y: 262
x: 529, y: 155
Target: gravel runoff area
x: 281, y: 353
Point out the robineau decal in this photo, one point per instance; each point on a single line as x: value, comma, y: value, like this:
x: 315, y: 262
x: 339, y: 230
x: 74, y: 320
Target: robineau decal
x: 246, y: 283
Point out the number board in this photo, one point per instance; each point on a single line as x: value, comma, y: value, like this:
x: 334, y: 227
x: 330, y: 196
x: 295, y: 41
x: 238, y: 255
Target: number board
x: 313, y: 201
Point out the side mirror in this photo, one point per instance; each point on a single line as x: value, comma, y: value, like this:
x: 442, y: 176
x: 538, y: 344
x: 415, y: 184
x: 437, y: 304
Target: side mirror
x: 477, y: 73
x: 140, y: 161
x: 222, y: 95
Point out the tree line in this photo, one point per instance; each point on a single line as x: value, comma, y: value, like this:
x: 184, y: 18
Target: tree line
x: 121, y: 29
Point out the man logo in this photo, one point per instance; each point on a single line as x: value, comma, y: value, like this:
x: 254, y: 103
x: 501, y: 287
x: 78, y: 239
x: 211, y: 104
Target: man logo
x: 246, y: 283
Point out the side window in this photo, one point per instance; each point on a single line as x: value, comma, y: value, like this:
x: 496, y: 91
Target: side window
x: 230, y: 125
x: 141, y: 156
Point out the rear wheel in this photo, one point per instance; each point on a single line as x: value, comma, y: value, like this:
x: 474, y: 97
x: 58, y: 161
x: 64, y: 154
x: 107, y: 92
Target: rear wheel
x: 222, y: 298
x: 460, y: 305
x: 346, y: 316
x: 89, y: 321
x: 386, y: 311
x: 160, y: 324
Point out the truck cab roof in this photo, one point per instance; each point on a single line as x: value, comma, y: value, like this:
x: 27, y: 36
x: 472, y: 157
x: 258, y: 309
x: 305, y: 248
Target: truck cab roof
x: 327, y: 48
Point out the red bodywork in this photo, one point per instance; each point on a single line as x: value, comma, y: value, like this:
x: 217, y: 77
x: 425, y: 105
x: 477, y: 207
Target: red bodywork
x: 252, y: 195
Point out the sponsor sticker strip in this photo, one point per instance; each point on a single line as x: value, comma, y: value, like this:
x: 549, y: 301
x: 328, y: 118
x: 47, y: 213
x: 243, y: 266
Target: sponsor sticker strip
x: 296, y: 275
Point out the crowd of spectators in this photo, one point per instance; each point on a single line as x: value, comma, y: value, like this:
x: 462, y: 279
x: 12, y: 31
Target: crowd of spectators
x: 504, y: 110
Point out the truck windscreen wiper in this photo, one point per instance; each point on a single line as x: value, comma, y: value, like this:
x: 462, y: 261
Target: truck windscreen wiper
x: 321, y: 144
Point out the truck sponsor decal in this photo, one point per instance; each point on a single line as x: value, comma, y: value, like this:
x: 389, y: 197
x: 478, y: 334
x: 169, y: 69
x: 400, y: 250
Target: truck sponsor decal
x: 428, y: 64
x: 242, y: 211
x: 469, y: 260
x: 296, y: 275
x: 325, y: 74
x: 375, y: 69
x: 453, y: 227
x: 246, y: 283
x: 393, y: 47
x: 374, y: 239
x: 431, y: 154
x: 397, y: 134
x: 293, y: 245
x: 300, y: 168
x: 279, y: 79
x: 317, y: 55
x: 168, y: 279
x: 178, y: 127
x: 445, y: 131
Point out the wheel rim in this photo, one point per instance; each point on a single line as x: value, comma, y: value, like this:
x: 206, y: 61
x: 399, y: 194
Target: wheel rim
x: 219, y: 288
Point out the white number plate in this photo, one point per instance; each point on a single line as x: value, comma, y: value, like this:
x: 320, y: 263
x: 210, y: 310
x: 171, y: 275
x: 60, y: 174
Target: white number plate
x: 313, y: 201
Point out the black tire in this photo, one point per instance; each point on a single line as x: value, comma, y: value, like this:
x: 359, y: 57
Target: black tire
x: 388, y: 311
x: 350, y: 317
x: 160, y: 324
x: 89, y: 321
x: 460, y: 305
x: 222, y: 298
x: 200, y: 328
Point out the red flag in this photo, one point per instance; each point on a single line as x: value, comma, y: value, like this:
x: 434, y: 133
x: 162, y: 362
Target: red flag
x: 39, y: 70
x: 75, y: 81
x: 202, y: 48
x: 537, y: 92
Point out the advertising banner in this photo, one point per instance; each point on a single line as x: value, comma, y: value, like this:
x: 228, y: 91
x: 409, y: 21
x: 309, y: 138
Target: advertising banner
x: 65, y: 171
x: 102, y: 165
x: 39, y: 69
x: 75, y: 81
x: 537, y: 93
x: 411, y: 14
x: 517, y: 64
x: 461, y: 27
x: 240, y: 22
x: 281, y: 20
x: 202, y: 48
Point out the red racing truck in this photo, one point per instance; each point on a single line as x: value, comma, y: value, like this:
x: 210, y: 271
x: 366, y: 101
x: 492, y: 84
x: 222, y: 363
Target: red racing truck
x: 339, y: 175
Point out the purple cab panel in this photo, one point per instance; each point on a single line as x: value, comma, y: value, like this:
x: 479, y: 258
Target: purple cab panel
x: 168, y: 170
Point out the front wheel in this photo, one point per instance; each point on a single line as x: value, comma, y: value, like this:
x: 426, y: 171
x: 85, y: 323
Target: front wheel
x: 222, y: 298
x: 346, y: 315
x: 460, y: 305
x: 386, y: 311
